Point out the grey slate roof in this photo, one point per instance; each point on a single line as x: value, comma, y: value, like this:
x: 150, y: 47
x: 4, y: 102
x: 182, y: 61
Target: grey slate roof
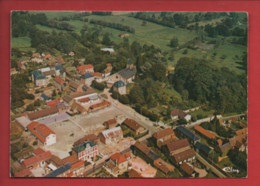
x: 188, y: 133
x: 86, y: 75
x: 45, y: 97
x: 119, y: 84
x: 59, y: 171
x: 202, y: 147
x: 127, y: 73
x: 58, y: 67
x: 37, y: 75
x: 83, y: 146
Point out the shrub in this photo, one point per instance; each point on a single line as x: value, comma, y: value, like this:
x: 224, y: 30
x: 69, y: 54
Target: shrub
x: 35, y: 143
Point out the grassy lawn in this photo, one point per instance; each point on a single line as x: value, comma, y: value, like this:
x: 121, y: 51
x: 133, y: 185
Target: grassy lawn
x: 157, y: 35
x: 21, y: 42
x: 202, y: 112
x: 48, y: 29
x: 227, y: 50
x: 225, y: 163
x: 211, y: 175
x: 174, y: 174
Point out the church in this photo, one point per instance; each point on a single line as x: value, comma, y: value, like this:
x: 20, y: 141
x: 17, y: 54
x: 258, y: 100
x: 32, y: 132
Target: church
x: 126, y: 75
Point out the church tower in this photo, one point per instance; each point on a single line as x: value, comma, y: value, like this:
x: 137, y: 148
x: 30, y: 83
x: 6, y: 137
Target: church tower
x: 130, y: 64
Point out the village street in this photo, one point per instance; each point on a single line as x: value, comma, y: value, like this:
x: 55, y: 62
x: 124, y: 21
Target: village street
x: 129, y: 112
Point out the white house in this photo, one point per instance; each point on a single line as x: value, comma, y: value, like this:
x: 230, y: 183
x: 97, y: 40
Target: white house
x: 120, y: 87
x: 176, y: 114
x: 42, y: 133
x: 87, y: 78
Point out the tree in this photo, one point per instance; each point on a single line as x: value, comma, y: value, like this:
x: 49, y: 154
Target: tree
x: 182, y: 121
x: 153, y: 117
x: 76, y: 63
x: 238, y: 158
x: 158, y: 72
x: 99, y: 86
x: 30, y: 96
x: 124, y: 99
x: 174, y: 42
x: 106, y: 39
x: 193, y: 118
x: 136, y: 95
x: 30, y: 107
x: 54, y: 94
x: 37, y: 103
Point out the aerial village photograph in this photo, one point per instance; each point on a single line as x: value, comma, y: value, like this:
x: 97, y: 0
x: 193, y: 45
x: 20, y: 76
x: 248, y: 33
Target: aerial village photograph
x: 103, y: 94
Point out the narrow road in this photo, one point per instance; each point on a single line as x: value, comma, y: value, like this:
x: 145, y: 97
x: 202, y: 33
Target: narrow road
x: 234, y: 116
x: 131, y: 113
x: 208, y: 119
x: 213, y: 169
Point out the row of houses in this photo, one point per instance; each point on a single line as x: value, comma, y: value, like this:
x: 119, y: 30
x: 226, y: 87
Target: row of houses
x: 45, y: 164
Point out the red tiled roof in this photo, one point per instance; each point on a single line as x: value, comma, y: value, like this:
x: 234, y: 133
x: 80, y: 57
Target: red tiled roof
x: 184, y: 155
x: 219, y: 141
x: 127, y: 155
x: 132, y: 124
x: 104, y: 103
x: 23, y: 173
x: 142, y: 147
x: 172, y: 146
x: 53, y: 103
x: 119, y: 158
x: 48, y: 73
x: 42, y: 113
x: 241, y: 132
x: 59, y: 80
x: 47, y: 56
x: 187, y: 168
x: 110, y: 122
x: 97, y: 74
x: 36, y: 55
x: 163, y: 166
x: 90, y: 137
x: 237, y: 139
x: 55, y: 160
x: 41, y: 131
x: 36, y: 159
x: 134, y: 174
x: 38, y: 151
x: 77, y: 165
x: 70, y: 159
x: 60, y: 59
x: 179, y: 113
x: 84, y: 99
x: 163, y: 133
x: 84, y: 67
x: 204, y: 132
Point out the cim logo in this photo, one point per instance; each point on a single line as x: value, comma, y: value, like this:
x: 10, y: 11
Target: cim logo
x: 230, y: 169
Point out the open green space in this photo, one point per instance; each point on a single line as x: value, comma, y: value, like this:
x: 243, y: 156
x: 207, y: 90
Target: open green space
x: 21, y: 42
x: 222, y: 55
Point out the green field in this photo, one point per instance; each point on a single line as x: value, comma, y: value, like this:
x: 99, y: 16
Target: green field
x: 21, y: 42
x: 154, y: 34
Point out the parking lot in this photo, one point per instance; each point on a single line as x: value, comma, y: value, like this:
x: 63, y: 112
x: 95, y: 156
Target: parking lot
x: 67, y: 132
